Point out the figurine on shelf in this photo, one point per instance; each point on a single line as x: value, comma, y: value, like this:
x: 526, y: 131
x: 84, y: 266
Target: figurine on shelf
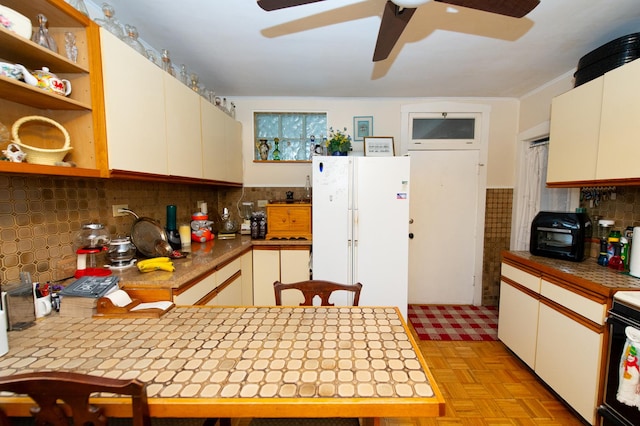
x: 109, y: 22
x: 195, y: 86
x: 42, y: 36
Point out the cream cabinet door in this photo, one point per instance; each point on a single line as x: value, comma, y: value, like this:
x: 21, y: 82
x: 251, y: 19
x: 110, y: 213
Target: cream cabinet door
x: 247, y: 278
x: 233, y: 144
x: 134, y: 108
x: 231, y: 295
x: 184, y: 139
x: 196, y: 292
x: 568, y: 359
x: 214, y: 152
x: 574, y: 133
x: 266, y: 270
x: 518, y: 322
x: 294, y: 267
x: 619, y: 148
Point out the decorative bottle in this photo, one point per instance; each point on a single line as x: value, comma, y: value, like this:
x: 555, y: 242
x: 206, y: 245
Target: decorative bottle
x: 132, y: 40
x: 172, y: 230
x: 42, y: 36
x: 276, y: 150
x: 79, y: 6
x: 70, y: 46
x: 166, y: 62
x: 110, y: 23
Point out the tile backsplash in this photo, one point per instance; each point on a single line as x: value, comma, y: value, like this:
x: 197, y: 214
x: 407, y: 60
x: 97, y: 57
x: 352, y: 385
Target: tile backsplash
x: 40, y: 215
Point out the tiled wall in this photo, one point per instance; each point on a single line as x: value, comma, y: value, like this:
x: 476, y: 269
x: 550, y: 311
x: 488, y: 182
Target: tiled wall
x: 497, y: 234
x: 39, y: 216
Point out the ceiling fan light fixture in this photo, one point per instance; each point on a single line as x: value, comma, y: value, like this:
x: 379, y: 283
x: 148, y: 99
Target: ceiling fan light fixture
x: 410, y: 4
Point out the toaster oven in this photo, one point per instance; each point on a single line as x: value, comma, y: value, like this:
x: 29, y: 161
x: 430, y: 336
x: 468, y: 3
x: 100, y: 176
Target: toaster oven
x: 561, y: 235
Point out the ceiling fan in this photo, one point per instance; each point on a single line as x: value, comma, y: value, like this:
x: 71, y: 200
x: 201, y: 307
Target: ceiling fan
x: 397, y: 14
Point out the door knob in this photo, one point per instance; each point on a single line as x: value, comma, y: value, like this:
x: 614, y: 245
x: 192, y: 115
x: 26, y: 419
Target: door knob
x: 411, y: 235
x: 410, y: 221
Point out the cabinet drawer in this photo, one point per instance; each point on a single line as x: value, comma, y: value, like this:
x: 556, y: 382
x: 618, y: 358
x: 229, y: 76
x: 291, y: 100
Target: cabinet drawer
x: 532, y: 282
x: 228, y: 270
x: 196, y: 292
x: 581, y: 305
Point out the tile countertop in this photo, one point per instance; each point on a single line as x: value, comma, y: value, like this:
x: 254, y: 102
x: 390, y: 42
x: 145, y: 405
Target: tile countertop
x: 203, y: 258
x: 588, y: 274
x: 243, y: 354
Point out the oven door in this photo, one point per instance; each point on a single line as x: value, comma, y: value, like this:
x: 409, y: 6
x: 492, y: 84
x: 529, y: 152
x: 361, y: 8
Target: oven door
x: 621, y: 405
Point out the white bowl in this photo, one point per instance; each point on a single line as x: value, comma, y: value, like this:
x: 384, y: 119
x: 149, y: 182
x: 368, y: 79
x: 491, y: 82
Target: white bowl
x: 10, y: 70
x: 13, y: 21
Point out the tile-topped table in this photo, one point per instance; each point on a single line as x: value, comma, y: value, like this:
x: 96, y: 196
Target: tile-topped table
x: 241, y: 361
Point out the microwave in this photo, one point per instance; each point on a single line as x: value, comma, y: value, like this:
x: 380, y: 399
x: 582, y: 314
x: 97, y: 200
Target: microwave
x: 561, y: 235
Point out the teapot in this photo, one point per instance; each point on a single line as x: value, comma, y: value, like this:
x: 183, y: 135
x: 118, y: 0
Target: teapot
x: 46, y: 80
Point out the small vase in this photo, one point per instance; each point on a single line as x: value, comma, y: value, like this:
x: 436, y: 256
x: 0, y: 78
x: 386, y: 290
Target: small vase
x: 339, y: 154
x: 263, y: 148
x: 276, y: 152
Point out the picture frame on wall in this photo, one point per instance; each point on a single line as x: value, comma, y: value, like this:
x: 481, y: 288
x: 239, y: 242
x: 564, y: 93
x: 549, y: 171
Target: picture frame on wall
x: 362, y: 127
x: 379, y: 146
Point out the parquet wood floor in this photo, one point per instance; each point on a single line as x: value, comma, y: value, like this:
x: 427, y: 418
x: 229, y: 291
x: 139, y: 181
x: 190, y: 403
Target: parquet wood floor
x: 484, y: 385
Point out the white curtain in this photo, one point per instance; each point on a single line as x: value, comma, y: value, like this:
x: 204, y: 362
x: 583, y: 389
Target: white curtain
x: 533, y: 195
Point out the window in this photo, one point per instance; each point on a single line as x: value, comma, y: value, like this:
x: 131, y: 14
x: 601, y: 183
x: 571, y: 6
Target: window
x: 297, y: 133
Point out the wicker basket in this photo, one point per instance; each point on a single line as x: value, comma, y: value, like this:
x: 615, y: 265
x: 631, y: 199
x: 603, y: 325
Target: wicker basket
x: 37, y: 155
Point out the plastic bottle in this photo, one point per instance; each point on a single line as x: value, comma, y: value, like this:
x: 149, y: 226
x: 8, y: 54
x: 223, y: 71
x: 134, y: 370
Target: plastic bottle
x: 603, y: 259
x: 624, y: 252
x: 613, y: 240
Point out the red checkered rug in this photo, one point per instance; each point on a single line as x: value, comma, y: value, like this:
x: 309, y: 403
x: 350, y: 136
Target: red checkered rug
x: 454, y: 322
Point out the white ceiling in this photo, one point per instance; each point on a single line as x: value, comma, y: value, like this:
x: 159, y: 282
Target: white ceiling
x: 326, y: 48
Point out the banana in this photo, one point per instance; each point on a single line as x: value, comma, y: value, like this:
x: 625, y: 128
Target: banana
x: 154, y: 260
x: 156, y: 266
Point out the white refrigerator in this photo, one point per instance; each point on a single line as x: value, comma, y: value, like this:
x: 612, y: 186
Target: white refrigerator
x: 360, y: 217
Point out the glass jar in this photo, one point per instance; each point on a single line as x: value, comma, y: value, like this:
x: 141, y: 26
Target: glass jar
x: 70, y: 47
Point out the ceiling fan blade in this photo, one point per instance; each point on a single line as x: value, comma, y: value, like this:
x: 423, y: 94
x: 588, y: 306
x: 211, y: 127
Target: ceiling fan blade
x: 394, y: 20
x: 515, y: 8
x: 270, y: 5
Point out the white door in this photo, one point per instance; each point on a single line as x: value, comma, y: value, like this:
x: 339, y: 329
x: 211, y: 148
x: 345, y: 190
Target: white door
x: 443, y: 253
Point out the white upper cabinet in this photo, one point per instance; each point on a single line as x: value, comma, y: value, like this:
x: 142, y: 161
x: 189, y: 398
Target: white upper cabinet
x: 184, y: 138
x: 574, y: 134
x: 134, y: 109
x: 157, y: 125
x: 619, y: 148
x: 594, y: 128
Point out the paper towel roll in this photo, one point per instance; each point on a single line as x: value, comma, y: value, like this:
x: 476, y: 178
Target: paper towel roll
x: 119, y: 298
x: 634, y: 258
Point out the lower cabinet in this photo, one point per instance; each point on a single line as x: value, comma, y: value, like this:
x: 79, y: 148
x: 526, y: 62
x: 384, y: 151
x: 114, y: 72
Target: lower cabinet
x: 278, y: 263
x: 557, y: 330
x: 223, y: 286
x: 568, y: 356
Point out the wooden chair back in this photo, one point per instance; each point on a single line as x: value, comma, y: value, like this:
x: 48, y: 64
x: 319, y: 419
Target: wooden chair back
x: 73, y: 389
x: 313, y: 288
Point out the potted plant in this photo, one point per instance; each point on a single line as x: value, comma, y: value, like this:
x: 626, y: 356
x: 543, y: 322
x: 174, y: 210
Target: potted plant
x: 339, y: 142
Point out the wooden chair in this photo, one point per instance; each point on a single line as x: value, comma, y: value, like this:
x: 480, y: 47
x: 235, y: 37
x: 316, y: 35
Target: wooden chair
x: 73, y: 389
x: 311, y: 289
x: 320, y: 288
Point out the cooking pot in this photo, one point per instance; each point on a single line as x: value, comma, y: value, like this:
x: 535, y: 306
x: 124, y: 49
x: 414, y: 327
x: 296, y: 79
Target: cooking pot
x: 149, y: 236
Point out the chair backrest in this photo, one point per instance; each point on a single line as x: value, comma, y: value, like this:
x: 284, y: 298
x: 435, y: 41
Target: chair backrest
x: 74, y: 389
x: 313, y: 288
